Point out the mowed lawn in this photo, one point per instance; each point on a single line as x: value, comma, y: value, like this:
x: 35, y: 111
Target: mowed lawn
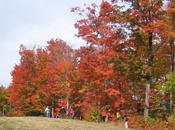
x: 42, y: 123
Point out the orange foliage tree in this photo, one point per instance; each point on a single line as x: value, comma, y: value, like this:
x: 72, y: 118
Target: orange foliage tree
x: 41, y: 78
x: 102, y: 62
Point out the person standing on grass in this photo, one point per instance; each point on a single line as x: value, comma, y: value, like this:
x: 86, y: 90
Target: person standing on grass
x: 62, y: 112
x: 103, y: 114
x: 126, y: 122
x: 47, y: 111
x: 118, y: 116
x: 71, y: 113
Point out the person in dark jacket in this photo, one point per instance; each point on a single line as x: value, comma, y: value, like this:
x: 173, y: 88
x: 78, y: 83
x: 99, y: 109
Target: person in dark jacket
x: 62, y: 112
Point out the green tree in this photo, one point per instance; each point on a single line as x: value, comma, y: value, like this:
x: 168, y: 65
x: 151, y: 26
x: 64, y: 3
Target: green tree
x: 169, y: 86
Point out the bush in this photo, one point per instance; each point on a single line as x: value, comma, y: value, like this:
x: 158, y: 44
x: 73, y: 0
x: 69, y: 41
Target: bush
x: 156, y: 124
x: 16, y: 113
x: 149, y: 124
x: 152, y: 121
x: 136, y: 122
x: 171, y: 120
x: 94, y: 114
x: 34, y: 113
x: 160, y: 126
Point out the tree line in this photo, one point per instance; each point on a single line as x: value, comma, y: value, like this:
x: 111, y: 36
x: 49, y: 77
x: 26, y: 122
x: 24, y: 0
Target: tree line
x: 128, y: 62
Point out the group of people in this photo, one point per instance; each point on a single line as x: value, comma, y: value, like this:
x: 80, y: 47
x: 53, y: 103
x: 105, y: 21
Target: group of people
x: 106, y: 116
x: 61, y: 114
x: 125, y: 119
x: 71, y: 113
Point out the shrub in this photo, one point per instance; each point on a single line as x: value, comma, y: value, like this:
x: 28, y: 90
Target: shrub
x: 136, y: 122
x: 34, y: 113
x: 159, y: 126
x: 152, y: 121
x: 155, y: 124
x: 94, y: 114
x: 171, y: 120
x: 15, y: 113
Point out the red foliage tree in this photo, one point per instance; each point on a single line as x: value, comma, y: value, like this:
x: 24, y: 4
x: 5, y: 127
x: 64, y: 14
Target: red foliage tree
x: 41, y: 78
x: 102, y: 74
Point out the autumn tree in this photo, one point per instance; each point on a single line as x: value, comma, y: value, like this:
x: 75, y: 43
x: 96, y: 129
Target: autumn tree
x: 102, y: 65
x: 60, y: 67
x: 4, y: 103
x: 23, y: 86
x: 170, y: 21
x: 146, y: 20
x: 136, y: 32
x: 41, y: 78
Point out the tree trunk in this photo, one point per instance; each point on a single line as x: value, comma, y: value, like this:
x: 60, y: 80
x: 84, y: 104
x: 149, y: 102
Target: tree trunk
x: 53, y: 106
x: 171, y: 102
x: 149, y: 74
x: 172, y: 70
x: 67, y: 104
x: 146, y: 110
x: 172, y: 56
x: 3, y: 111
x: 52, y: 112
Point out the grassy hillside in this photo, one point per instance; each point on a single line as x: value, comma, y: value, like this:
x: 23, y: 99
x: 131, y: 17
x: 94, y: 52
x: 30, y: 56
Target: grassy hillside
x: 42, y: 123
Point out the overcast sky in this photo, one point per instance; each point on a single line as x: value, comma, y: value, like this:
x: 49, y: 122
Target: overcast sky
x: 34, y: 22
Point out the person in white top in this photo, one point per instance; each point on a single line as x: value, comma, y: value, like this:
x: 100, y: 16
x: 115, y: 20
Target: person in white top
x: 126, y: 122
x: 47, y: 111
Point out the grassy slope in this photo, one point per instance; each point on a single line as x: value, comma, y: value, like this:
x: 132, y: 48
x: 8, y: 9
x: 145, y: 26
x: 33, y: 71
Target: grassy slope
x: 41, y: 123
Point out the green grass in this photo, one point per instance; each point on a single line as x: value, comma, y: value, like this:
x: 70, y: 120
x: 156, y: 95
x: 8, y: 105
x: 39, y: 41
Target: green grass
x: 42, y: 123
